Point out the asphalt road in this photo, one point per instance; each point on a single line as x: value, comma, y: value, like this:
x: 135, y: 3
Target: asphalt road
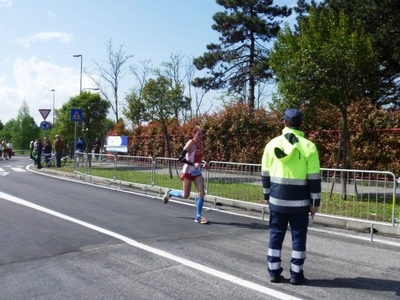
x: 62, y: 239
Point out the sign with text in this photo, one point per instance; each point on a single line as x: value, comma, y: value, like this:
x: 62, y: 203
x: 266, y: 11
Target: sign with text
x: 117, y: 144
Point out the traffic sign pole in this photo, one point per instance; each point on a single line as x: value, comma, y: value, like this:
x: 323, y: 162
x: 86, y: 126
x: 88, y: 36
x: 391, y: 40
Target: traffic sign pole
x: 75, y: 148
x: 76, y: 116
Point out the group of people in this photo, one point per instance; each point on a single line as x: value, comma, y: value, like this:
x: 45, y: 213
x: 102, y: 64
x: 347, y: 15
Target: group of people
x: 291, y: 182
x: 81, y: 149
x: 6, y: 149
x: 46, y: 148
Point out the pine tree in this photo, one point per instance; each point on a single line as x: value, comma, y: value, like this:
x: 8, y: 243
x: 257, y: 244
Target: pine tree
x: 240, y: 60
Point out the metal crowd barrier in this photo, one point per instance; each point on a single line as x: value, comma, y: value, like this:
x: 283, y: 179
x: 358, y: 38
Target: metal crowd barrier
x: 354, y: 194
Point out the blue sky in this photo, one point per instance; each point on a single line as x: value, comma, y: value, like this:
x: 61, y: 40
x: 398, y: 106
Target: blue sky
x: 38, y: 39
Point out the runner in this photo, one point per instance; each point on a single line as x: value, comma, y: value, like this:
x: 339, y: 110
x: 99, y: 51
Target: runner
x: 191, y: 156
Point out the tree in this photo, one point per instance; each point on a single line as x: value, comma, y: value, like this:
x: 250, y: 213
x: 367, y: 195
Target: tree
x: 328, y: 61
x: 158, y: 102
x: 240, y: 60
x: 302, y: 10
x: 196, y: 94
x: 173, y: 71
x: 95, y: 110
x: 381, y: 20
x: 112, y: 74
x: 22, y: 130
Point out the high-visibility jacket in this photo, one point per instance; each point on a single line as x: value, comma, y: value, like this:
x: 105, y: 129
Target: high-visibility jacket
x: 290, y: 173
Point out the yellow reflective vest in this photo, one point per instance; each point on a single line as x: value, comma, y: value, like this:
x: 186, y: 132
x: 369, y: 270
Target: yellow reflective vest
x: 290, y: 173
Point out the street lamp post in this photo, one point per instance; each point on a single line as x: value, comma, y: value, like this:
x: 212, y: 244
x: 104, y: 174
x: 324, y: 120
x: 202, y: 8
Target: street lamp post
x: 93, y: 89
x: 80, y: 55
x: 54, y: 101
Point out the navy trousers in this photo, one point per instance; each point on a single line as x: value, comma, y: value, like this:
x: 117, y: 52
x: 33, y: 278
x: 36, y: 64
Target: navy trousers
x: 278, y: 226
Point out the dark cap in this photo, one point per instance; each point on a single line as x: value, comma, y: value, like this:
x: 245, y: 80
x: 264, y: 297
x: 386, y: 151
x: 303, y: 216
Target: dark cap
x: 293, y: 115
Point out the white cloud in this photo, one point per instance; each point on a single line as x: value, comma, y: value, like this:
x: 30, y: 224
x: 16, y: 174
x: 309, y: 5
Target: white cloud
x: 34, y: 80
x: 45, y: 36
x: 6, y: 3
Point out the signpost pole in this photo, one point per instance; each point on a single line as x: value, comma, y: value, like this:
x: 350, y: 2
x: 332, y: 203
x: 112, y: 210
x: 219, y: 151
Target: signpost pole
x: 75, y: 147
x: 76, y: 116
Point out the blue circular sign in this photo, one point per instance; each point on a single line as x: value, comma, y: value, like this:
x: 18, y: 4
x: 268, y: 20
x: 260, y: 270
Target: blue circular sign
x: 45, y: 125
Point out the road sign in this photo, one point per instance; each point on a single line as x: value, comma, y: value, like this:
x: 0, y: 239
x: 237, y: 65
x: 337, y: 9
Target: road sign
x: 45, y: 125
x: 44, y: 113
x: 76, y: 115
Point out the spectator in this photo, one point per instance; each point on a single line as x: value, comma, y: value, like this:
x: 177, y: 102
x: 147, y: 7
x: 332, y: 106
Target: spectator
x: 97, y: 146
x: 39, y: 150
x: 10, y: 149
x: 80, y: 150
x: 32, y: 148
x: 47, y: 150
x: 58, y: 147
x: 5, y: 149
x: 1, y: 149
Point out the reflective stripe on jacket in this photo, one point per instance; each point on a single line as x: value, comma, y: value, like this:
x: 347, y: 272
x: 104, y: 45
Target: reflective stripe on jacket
x: 290, y: 173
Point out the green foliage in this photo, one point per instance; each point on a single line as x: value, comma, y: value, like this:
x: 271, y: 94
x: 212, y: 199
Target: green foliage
x: 381, y: 20
x: 327, y: 61
x: 160, y: 101
x: 240, y: 61
x: 237, y: 134
x: 95, y: 110
x: 22, y: 130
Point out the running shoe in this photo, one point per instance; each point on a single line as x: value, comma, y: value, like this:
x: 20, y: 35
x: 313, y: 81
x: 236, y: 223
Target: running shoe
x: 166, y: 196
x: 201, y: 220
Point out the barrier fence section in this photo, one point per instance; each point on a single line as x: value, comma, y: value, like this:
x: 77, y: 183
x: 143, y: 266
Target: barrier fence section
x: 346, y: 193
x: 360, y: 194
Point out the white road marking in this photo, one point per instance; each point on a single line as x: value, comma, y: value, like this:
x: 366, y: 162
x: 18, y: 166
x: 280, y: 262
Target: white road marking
x: 18, y: 169
x: 197, y: 266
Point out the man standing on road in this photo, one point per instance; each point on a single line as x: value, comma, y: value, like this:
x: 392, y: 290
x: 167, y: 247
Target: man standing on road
x: 38, y: 150
x: 291, y: 182
x: 58, y: 147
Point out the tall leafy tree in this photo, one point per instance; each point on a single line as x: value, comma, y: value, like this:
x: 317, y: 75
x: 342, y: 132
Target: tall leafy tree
x: 328, y: 61
x: 95, y: 110
x: 176, y: 73
x: 21, y: 130
x: 157, y: 102
x: 240, y: 60
x: 380, y: 19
